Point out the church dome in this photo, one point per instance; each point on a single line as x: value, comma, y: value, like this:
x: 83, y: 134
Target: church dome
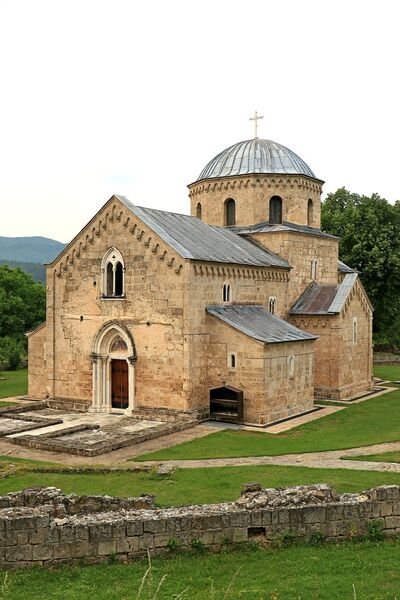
x: 255, y: 156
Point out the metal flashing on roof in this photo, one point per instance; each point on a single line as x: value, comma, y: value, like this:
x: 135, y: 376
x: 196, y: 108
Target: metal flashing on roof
x: 256, y: 322
x: 255, y: 156
x: 266, y: 227
x: 195, y: 240
x: 324, y: 299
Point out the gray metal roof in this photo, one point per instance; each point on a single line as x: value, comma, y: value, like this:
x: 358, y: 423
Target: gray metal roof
x: 193, y: 239
x: 255, y: 156
x: 324, y: 299
x: 266, y: 227
x: 257, y: 323
x: 344, y: 268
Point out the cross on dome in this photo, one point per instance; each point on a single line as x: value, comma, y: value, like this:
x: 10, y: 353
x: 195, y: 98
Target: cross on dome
x: 255, y: 119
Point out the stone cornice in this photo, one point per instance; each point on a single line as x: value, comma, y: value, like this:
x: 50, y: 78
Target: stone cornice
x: 257, y: 180
x: 238, y: 272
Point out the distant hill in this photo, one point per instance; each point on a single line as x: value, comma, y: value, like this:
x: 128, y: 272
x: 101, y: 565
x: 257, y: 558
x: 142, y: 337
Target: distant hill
x: 37, y: 270
x: 34, y: 249
x: 29, y: 253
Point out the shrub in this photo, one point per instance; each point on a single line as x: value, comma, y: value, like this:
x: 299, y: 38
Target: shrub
x: 375, y: 530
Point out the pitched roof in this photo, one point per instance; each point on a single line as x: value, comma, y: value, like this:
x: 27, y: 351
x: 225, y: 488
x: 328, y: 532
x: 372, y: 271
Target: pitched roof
x: 324, y: 299
x: 266, y: 227
x: 193, y: 239
x: 344, y: 268
x: 257, y: 323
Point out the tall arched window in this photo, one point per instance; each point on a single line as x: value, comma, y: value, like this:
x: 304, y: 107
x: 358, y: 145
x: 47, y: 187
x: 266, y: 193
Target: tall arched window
x: 310, y: 213
x: 226, y: 292
x: 275, y: 210
x: 272, y: 305
x: 113, y: 268
x: 198, y: 210
x: 230, y: 212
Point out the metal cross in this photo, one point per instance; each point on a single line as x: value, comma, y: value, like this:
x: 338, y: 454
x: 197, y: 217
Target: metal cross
x: 255, y: 119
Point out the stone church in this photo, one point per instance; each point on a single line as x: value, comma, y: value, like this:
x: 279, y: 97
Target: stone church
x: 241, y: 311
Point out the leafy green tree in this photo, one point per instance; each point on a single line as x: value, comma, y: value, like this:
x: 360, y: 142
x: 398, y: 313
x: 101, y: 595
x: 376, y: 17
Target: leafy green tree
x: 22, y: 303
x: 369, y: 228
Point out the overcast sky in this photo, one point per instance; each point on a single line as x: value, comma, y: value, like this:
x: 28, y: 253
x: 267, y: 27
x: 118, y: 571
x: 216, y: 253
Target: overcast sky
x: 135, y: 97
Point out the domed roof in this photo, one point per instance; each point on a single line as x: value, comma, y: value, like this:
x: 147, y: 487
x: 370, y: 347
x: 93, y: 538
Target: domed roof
x: 255, y: 156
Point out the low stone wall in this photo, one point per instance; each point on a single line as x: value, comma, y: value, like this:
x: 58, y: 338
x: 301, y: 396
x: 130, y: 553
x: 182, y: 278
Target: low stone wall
x: 45, y: 527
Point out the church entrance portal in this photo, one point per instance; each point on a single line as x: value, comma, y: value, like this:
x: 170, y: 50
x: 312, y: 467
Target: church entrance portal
x: 113, y: 358
x: 119, y: 384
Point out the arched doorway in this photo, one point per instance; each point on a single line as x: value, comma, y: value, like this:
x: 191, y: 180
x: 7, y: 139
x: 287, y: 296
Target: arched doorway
x: 113, y: 359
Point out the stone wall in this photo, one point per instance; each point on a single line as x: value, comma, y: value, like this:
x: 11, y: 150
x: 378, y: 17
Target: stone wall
x: 47, y: 528
x: 299, y: 249
x: 252, y: 194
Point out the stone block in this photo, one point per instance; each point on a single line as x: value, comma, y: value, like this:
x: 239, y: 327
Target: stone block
x: 239, y: 519
x: 334, y: 512
x: 19, y: 553
x: 100, y: 531
x: 284, y: 517
x: 62, y: 550
x: 42, y: 552
x: 392, y: 522
x: 146, y: 541
x: 386, y: 508
x: 240, y: 534
x: 266, y: 517
x: 223, y: 536
x: 81, y: 532
x: 155, y: 526
x: 256, y: 519
x: 106, y: 547
x: 134, y: 528
x: 314, y: 514
x: 351, y: 512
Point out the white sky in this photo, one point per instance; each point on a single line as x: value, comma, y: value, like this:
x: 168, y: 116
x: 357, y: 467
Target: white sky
x: 134, y: 97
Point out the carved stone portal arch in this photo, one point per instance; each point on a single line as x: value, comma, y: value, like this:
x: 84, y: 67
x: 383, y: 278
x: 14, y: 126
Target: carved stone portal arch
x: 112, y: 345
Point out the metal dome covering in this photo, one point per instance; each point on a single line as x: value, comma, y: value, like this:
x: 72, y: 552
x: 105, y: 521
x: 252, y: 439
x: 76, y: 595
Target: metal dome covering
x: 255, y: 156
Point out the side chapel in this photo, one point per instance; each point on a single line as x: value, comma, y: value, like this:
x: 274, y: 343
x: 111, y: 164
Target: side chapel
x: 244, y: 299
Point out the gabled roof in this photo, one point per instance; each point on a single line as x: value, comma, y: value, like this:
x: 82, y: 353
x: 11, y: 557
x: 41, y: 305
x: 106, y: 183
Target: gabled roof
x: 257, y: 323
x: 324, y: 299
x: 266, y: 227
x: 193, y: 239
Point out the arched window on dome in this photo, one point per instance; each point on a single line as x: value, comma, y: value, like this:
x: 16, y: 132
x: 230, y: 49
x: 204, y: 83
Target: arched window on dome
x: 310, y: 213
x: 275, y: 210
x: 198, y: 210
x: 113, y: 269
x: 230, y: 212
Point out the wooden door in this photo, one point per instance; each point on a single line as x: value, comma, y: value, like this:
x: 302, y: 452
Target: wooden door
x: 119, y: 384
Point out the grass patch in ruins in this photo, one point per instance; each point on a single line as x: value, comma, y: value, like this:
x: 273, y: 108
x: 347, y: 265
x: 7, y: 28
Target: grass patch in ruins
x: 392, y: 457
x: 370, y: 422
x: 13, y: 383
x: 347, y: 571
x: 193, y: 486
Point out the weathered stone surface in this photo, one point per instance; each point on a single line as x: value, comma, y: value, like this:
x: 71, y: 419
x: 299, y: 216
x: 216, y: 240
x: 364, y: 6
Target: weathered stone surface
x: 130, y: 532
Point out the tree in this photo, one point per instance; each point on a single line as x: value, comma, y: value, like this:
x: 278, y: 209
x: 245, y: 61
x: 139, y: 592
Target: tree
x: 22, y: 307
x: 369, y: 228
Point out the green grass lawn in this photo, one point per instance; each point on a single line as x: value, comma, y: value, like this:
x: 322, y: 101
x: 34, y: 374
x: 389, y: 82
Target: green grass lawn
x: 393, y: 457
x: 387, y: 372
x: 14, y: 384
x: 370, y: 422
x: 326, y: 572
x: 194, y: 486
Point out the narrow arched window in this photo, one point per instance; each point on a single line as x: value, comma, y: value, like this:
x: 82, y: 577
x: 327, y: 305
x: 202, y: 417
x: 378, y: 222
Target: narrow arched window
x: 226, y: 292
x: 275, y: 210
x: 230, y: 212
x: 198, y: 210
x: 113, y: 274
x: 110, y: 280
x: 272, y: 305
x: 119, y: 278
x: 310, y: 213
x: 355, y: 331
x: 291, y: 366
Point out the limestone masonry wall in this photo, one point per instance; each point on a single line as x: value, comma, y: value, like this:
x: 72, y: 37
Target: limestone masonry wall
x: 44, y: 527
x: 252, y: 194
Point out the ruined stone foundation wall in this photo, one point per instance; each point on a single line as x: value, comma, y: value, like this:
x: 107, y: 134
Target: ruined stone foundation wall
x: 47, y: 528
